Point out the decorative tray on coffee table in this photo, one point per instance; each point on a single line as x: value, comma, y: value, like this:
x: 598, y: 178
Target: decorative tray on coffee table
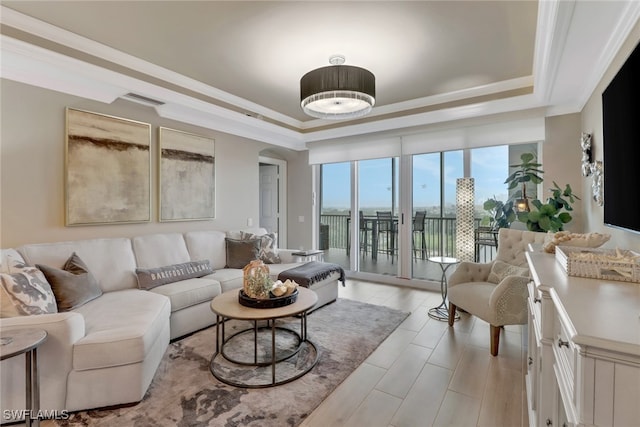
x: 273, y: 302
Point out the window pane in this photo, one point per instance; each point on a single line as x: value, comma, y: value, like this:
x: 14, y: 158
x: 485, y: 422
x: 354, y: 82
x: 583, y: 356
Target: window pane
x: 335, y: 202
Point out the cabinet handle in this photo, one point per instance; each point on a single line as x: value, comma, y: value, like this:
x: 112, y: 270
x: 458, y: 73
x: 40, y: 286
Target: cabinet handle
x: 549, y: 423
x: 530, y: 360
x: 537, y: 300
x: 563, y: 343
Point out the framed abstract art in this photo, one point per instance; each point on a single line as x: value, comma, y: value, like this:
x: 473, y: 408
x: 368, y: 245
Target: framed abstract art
x: 107, y: 169
x: 187, y: 176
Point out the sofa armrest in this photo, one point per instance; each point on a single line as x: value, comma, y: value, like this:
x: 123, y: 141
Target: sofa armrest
x: 470, y: 272
x: 509, y: 301
x: 55, y: 359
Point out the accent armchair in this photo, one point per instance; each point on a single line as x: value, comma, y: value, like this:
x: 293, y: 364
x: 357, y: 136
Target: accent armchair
x: 496, y: 292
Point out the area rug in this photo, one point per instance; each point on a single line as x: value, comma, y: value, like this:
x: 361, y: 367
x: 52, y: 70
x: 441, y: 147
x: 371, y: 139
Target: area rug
x: 185, y: 393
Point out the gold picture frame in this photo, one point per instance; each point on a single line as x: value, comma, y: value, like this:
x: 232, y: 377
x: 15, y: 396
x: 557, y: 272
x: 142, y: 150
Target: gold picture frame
x: 187, y: 176
x: 107, y: 169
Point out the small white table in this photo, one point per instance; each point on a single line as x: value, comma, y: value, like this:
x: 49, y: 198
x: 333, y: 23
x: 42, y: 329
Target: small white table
x: 308, y: 255
x: 26, y: 341
x: 441, y: 312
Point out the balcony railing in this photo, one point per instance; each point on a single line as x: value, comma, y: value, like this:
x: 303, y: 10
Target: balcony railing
x: 439, y: 234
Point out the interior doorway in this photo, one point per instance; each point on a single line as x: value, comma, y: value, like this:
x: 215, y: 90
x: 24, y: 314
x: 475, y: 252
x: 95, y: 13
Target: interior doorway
x: 273, y: 197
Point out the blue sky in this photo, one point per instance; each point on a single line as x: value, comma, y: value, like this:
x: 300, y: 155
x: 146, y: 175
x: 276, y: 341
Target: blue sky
x: 489, y: 167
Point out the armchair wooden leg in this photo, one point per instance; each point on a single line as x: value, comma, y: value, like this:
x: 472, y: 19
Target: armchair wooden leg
x: 452, y: 313
x: 495, y: 339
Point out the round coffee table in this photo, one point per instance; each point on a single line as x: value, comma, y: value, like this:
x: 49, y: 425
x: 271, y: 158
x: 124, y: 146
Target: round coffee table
x: 232, y: 365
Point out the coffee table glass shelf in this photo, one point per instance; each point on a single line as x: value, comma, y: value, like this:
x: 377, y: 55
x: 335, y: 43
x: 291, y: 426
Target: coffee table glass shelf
x: 252, y: 351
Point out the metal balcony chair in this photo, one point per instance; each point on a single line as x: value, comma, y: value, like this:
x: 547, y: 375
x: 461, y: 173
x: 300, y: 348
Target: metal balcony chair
x: 418, y: 228
x: 386, y: 226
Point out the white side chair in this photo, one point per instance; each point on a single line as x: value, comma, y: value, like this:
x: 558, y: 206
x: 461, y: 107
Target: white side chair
x: 502, y: 298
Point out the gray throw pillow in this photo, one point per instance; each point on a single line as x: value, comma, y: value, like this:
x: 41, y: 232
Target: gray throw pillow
x: 74, y: 285
x: 149, y: 278
x: 241, y: 252
x: 268, y: 246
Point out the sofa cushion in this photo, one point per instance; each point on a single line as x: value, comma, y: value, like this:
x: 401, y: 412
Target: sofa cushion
x: 157, y: 250
x: 111, y: 261
x: 120, y: 328
x: 207, y: 245
x: 73, y: 285
x: 268, y: 246
x: 501, y: 269
x: 187, y: 293
x: 241, y: 252
x: 26, y: 293
x: 229, y: 278
x: 149, y: 278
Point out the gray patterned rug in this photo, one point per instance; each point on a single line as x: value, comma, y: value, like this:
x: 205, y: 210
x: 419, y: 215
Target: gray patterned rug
x: 185, y: 393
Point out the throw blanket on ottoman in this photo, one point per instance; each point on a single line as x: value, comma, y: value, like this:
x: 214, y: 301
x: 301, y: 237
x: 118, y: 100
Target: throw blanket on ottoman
x: 311, y: 272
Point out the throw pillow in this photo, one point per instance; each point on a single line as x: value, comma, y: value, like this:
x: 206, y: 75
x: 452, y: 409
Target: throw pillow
x: 241, y: 252
x: 501, y: 269
x: 74, y: 285
x: 268, y: 246
x: 149, y: 278
x: 26, y: 293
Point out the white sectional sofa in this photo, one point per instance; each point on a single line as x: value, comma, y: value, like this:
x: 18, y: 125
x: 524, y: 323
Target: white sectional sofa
x: 106, y: 351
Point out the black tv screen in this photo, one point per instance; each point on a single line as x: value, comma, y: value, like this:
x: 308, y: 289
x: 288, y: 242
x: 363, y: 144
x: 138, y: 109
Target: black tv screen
x: 621, y: 153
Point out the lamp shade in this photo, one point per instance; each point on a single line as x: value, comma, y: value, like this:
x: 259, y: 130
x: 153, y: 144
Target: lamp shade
x: 337, y: 92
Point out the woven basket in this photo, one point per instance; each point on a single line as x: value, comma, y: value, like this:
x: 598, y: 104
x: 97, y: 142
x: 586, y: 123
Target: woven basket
x: 599, y: 266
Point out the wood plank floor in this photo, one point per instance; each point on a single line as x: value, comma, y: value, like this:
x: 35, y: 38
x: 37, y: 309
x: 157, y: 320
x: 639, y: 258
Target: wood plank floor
x: 427, y: 374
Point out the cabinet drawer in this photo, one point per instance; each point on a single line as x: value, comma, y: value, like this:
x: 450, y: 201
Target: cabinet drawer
x: 535, y: 301
x: 565, y: 354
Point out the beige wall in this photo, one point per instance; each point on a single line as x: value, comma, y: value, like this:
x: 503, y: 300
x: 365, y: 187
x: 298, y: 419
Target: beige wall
x: 32, y: 170
x: 591, y: 122
x: 561, y: 162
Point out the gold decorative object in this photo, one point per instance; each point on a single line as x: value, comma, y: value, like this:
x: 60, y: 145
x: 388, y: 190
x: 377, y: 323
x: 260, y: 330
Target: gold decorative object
x: 256, y: 280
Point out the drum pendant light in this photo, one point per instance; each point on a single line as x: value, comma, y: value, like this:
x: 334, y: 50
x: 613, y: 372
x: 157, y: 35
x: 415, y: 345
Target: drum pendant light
x: 338, y: 91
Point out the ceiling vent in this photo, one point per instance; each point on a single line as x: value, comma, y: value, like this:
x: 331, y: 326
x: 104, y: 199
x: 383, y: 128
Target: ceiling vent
x: 134, y: 97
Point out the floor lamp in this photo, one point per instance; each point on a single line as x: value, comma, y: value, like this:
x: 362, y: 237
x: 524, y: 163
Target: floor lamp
x: 465, y: 217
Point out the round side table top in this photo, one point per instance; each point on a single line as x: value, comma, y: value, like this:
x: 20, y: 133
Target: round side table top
x: 227, y: 305
x: 19, y: 341
x: 444, y: 260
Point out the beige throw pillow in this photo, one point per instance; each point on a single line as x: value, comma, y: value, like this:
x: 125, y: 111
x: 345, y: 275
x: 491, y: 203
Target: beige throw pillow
x: 268, y: 246
x: 501, y: 269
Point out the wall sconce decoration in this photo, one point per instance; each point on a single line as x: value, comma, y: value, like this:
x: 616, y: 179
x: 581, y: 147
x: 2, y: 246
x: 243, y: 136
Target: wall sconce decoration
x: 591, y: 168
x: 585, y: 144
x: 465, y: 214
x: 597, y: 189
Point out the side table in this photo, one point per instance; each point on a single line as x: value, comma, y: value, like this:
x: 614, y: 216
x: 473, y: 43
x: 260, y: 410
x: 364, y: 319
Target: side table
x: 26, y: 341
x: 308, y: 255
x: 441, y: 312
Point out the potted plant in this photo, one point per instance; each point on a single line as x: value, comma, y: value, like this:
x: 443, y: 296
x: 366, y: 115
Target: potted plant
x: 549, y: 216
x: 552, y: 215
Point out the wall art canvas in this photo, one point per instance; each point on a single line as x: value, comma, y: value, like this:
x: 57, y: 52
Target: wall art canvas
x: 187, y: 176
x: 108, y: 169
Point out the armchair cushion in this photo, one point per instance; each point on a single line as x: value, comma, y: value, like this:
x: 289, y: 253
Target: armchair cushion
x: 501, y: 269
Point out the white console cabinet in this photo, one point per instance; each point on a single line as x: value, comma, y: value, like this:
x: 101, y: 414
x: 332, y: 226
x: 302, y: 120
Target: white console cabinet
x: 583, y: 349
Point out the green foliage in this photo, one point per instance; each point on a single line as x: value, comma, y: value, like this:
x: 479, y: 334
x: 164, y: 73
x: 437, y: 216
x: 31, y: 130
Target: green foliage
x: 549, y: 216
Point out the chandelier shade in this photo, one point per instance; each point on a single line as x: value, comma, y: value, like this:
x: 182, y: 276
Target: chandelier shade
x: 337, y: 92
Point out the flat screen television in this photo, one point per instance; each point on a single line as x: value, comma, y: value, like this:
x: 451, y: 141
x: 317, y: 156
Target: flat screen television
x: 621, y: 146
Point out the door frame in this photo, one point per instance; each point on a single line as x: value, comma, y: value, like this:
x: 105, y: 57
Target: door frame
x: 282, y: 196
